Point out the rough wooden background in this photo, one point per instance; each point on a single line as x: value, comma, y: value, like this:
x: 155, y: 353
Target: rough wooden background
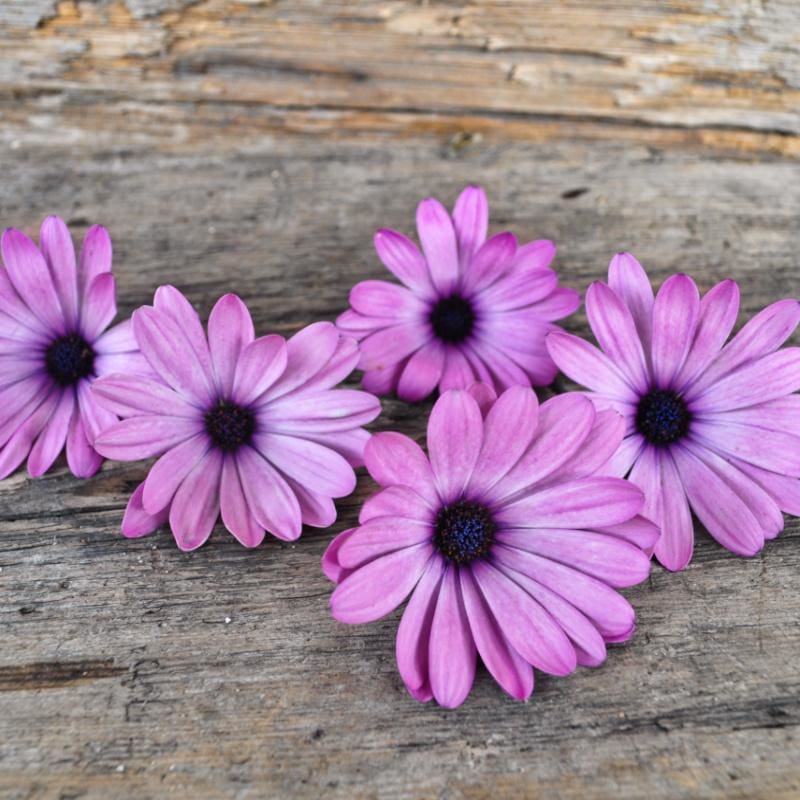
x: 254, y: 146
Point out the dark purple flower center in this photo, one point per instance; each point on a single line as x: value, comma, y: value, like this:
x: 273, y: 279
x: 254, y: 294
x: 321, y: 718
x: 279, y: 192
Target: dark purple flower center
x: 229, y: 425
x: 662, y: 417
x: 464, y: 532
x: 453, y: 319
x: 68, y: 359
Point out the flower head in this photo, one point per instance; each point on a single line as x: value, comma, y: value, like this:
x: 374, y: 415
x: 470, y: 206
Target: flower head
x: 249, y: 428
x: 507, y: 542
x: 469, y: 308
x: 710, y: 427
x: 54, y: 312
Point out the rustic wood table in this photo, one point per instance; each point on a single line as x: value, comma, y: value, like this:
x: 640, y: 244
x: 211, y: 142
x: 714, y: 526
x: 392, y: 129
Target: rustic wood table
x: 254, y: 146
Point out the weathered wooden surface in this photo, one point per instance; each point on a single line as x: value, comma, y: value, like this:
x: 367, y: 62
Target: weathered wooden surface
x: 254, y: 146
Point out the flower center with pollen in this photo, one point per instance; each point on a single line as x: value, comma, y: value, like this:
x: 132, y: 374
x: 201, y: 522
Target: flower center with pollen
x: 229, y: 426
x: 68, y: 359
x: 464, y: 531
x: 662, y: 417
x: 452, y: 319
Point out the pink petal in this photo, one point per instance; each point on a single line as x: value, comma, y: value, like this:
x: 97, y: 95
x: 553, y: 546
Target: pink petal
x: 402, y: 258
x: 492, y: 260
x: 129, y: 395
x: 506, y: 666
x: 564, y: 423
x: 588, y: 366
x: 665, y: 503
x: 484, y: 395
x: 339, y: 366
x: 383, y: 299
x: 763, y: 334
x: 767, y: 378
x: 783, y: 490
x: 137, y: 522
x: 507, y: 432
x: 529, y: 628
x: 53, y: 436
x: 558, y: 304
x: 348, y: 444
x: 505, y: 372
x: 630, y: 283
x: 383, y: 381
x: 582, y: 503
x: 390, y: 345
x: 307, y: 462
x: 99, y: 307
x: 19, y: 322
x: 316, y: 510
x: 638, y: 531
x: 236, y: 514
x: 377, y: 588
x: 59, y: 252
x: 518, y: 288
x: 272, y: 502
x: 611, y: 560
x: 261, y: 363
x: 230, y: 330
x: 718, y: 310
x: 455, y: 435
x: 119, y: 339
x: 95, y: 257
x: 471, y: 221
x: 195, y: 507
x: 380, y: 536
x: 590, y: 648
x: 169, y: 472
x: 457, y: 373
x: 438, y: 239
x: 94, y: 416
x: 610, y: 612
x: 396, y: 501
x: 136, y: 438
x: 777, y: 451
x: 308, y: 352
x: 16, y: 402
x: 675, y: 313
x: 414, y: 631
x: 781, y: 414
x: 326, y: 411
x: 31, y: 277
x: 451, y: 650
x: 82, y: 459
x: 330, y: 558
x: 171, y: 355
x: 598, y: 447
x: 614, y: 327
x: 625, y: 457
x: 168, y: 300
x: 394, y: 459
x: 717, y: 506
x: 535, y: 256
x: 421, y: 373
x: 25, y: 432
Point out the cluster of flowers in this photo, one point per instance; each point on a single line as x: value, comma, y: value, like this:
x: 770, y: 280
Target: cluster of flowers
x: 511, y: 537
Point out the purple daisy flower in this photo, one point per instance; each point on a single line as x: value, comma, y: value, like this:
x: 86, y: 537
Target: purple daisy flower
x: 471, y: 308
x: 53, y: 318
x: 711, y: 427
x: 508, y: 543
x: 249, y: 428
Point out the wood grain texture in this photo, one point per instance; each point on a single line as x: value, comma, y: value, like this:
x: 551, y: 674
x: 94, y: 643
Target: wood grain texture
x: 254, y: 147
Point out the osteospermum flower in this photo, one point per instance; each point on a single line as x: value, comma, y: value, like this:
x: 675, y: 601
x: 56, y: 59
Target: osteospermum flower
x: 249, y: 428
x: 711, y: 427
x: 53, y: 344
x: 469, y: 308
x: 506, y: 541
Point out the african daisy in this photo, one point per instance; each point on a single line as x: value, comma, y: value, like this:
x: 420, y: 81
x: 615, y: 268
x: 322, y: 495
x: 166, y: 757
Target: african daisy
x: 248, y: 428
x: 470, y: 308
x: 710, y: 427
x: 53, y: 344
x: 506, y: 541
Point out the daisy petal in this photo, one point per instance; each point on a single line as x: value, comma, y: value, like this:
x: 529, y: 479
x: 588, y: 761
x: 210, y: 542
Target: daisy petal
x: 471, y: 221
x: 169, y: 472
x: 451, y: 648
x: 457, y: 373
x: 438, y: 239
x: 393, y: 459
x: 59, y: 252
x: 99, y: 307
x: 396, y: 501
x: 137, y: 522
x: 675, y: 312
x: 383, y: 299
x: 136, y: 438
x: 235, y: 511
x: 95, y: 257
x: 455, y: 434
x: 490, y: 262
x: 377, y: 588
x: 53, y: 436
x: 421, y: 373
x: 380, y: 536
x: 83, y: 459
x: 330, y: 558
x: 129, y: 395
x: 630, y: 283
x: 261, y: 363
x: 388, y: 346
x: 230, y: 330
x: 195, y: 507
x: 404, y: 260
